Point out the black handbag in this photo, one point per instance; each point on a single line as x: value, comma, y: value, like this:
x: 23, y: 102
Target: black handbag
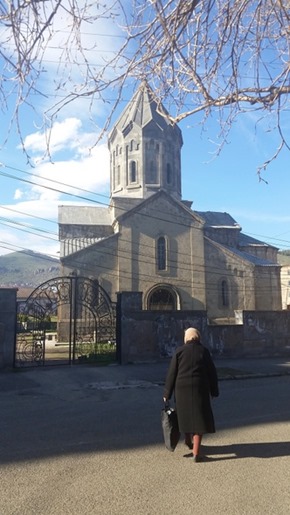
x: 169, y: 423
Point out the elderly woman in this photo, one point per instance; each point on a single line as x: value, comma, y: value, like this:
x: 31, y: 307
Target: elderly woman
x: 193, y: 378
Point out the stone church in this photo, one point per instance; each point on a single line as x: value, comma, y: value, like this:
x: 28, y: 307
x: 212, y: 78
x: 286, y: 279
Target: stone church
x: 150, y: 240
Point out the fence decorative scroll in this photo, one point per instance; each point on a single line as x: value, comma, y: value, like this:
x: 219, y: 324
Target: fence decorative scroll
x: 66, y: 319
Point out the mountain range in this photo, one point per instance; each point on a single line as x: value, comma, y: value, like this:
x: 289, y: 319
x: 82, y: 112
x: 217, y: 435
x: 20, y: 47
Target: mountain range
x: 27, y: 269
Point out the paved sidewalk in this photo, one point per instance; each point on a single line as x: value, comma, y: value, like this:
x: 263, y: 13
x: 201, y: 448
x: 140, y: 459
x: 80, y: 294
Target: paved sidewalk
x: 130, y: 376
x: 87, y: 440
x: 249, y: 367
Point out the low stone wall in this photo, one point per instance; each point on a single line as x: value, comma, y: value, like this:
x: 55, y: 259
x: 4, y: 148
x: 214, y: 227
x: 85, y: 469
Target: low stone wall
x: 7, y: 326
x: 266, y: 333
x: 154, y: 335
x: 148, y: 336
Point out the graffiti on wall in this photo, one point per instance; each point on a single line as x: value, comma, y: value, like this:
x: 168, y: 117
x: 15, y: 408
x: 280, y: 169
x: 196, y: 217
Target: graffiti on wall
x: 169, y: 332
x: 216, y: 342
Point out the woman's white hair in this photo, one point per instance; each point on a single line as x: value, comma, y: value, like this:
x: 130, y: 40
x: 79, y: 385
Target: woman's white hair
x: 191, y: 335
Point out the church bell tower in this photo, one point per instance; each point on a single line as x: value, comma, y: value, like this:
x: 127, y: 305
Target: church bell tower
x: 145, y: 150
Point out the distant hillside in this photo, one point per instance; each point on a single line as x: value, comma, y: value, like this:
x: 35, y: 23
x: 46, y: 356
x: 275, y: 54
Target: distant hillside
x: 284, y: 257
x: 27, y: 269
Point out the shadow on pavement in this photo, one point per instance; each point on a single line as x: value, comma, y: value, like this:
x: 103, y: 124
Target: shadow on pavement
x: 246, y: 450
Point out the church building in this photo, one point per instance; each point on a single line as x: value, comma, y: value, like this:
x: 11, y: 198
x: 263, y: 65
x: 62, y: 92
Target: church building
x: 150, y: 240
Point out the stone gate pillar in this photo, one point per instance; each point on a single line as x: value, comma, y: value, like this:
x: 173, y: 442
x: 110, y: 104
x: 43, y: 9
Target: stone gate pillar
x: 127, y: 302
x: 8, y: 311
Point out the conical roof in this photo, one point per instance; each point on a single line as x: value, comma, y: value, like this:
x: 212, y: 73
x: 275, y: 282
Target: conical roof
x: 143, y: 109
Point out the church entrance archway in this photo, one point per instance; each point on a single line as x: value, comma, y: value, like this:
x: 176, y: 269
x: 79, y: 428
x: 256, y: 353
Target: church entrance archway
x: 164, y: 298
x: 66, y: 320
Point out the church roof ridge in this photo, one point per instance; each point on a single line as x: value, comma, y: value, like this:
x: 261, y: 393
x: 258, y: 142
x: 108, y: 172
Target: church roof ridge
x: 246, y: 256
x: 153, y: 197
x: 219, y: 219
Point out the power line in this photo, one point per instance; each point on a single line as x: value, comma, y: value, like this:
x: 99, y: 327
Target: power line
x: 160, y: 219
x: 28, y: 214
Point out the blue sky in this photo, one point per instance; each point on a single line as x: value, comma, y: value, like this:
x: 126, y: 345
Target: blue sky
x: 227, y: 182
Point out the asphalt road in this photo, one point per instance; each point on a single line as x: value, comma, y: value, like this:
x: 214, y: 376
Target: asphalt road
x: 72, y: 443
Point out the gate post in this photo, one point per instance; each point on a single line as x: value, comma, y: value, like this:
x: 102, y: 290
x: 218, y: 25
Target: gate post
x: 8, y: 313
x: 127, y: 302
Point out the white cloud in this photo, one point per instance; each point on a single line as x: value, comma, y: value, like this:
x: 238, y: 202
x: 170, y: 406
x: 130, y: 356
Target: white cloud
x: 18, y: 194
x: 35, y: 207
x: 81, y: 165
x: 62, y: 134
x: 12, y: 240
x: 90, y: 172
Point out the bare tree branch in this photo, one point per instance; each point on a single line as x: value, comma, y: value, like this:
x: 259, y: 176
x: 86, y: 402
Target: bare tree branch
x: 229, y: 56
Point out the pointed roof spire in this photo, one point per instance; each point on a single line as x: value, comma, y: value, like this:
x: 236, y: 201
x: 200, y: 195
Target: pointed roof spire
x: 142, y: 109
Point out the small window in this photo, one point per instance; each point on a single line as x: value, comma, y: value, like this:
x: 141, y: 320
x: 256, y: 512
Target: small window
x: 168, y: 174
x: 225, y: 293
x: 161, y: 253
x: 133, y: 171
x: 152, y: 172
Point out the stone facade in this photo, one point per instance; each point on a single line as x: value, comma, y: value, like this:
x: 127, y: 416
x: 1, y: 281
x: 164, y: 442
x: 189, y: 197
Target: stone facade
x: 285, y: 286
x: 149, y: 239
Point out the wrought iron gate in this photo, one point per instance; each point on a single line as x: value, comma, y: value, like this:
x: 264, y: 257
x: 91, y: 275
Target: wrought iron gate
x: 66, y: 320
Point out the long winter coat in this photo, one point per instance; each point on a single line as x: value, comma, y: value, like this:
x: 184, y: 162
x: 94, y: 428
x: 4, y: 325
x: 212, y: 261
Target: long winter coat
x: 193, y: 378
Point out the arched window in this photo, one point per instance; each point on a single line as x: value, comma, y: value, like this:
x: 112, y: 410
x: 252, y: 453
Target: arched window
x: 114, y: 168
x: 168, y: 174
x: 161, y: 253
x: 162, y: 298
x: 133, y: 171
x: 224, y: 293
x: 118, y: 178
x: 152, y: 171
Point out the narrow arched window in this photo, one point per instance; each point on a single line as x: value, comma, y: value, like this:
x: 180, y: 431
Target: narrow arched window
x: 168, y: 174
x: 133, y: 171
x: 225, y: 293
x: 152, y: 172
x: 161, y: 253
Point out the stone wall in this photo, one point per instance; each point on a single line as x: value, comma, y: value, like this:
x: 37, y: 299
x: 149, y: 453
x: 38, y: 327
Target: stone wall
x: 7, y: 326
x: 154, y: 335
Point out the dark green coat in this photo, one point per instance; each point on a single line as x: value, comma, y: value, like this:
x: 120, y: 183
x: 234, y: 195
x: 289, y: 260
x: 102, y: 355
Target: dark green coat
x: 193, y: 379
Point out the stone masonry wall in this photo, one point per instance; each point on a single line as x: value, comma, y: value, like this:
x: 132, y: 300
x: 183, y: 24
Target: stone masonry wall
x: 154, y: 335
